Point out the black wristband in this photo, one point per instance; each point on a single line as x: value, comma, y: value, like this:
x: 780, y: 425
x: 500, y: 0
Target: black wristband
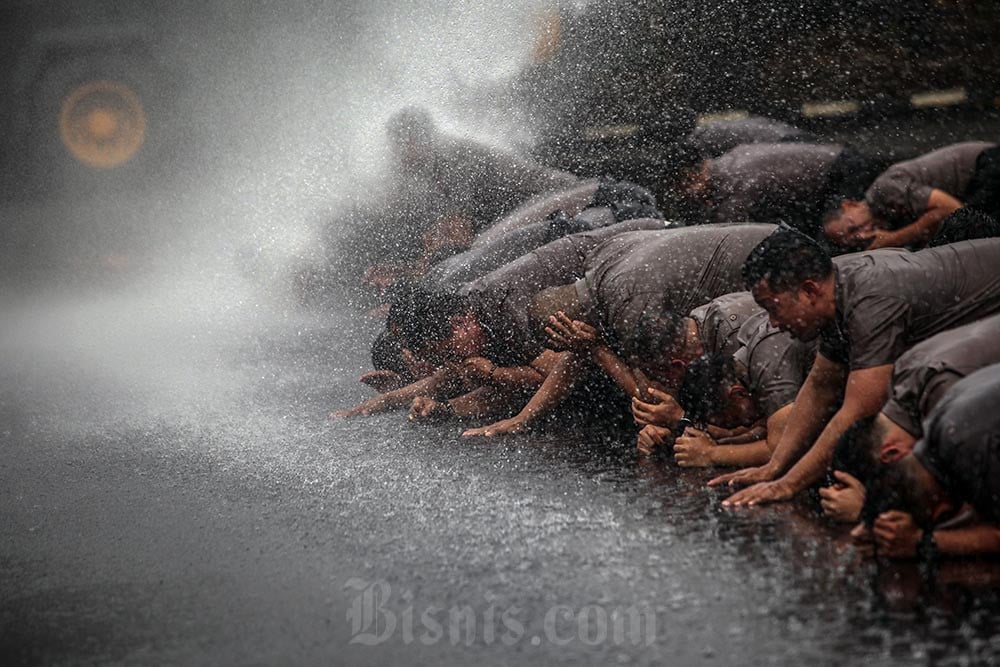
x: 927, y: 548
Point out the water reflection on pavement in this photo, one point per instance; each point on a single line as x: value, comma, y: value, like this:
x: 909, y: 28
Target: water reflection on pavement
x: 202, y: 508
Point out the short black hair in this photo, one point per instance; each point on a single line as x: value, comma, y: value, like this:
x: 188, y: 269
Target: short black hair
x: 786, y: 258
x: 702, y: 393
x: 832, y: 210
x: 387, y: 355
x: 678, y: 162
x: 422, y: 316
x: 857, y: 451
x: 857, y: 454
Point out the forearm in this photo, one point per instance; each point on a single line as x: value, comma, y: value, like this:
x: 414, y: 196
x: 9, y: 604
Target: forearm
x: 402, y: 397
x: 482, y: 402
x: 982, y: 538
x: 817, y: 399
x: 616, y: 369
x: 741, y: 456
x: 554, y: 389
x: 516, y: 378
x: 918, y: 232
x: 814, y: 464
x: 940, y: 205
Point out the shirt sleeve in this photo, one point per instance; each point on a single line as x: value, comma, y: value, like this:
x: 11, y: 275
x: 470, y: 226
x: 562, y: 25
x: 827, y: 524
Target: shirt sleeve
x: 898, y: 197
x: 778, y: 368
x: 876, y: 331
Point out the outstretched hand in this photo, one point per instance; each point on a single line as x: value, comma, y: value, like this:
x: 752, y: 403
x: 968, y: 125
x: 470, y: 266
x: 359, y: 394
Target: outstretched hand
x: 760, y: 494
x: 504, y: 427
x: 661, y: 410
x: 357, y: 411
x: 569, y: 335
x: 382, y: 381
x: 426, y: 409
x: 744, y: 477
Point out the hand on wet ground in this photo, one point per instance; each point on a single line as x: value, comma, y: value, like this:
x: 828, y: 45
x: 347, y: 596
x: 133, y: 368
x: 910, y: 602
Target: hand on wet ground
x: 760, y: 494
x: 744, y: 477
x: 426, y: 409
x: 505, y: 427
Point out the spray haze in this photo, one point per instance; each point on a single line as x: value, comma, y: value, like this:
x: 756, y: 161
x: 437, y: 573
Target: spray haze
x: 277, y: 126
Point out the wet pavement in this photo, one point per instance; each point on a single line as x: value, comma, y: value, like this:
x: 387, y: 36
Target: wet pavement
x: 171, y: 491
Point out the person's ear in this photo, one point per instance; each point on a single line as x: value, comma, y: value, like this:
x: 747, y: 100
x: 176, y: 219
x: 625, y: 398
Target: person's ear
x: 811, y: 289
x: 738, y: 391
x: 891, y: 452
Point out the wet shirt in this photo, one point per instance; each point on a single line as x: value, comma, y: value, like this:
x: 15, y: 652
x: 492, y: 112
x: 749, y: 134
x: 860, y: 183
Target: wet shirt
x: 674, y: 270
x: 511, y: 337
x: 961, y: 445
x: 889, y: 300
x: 900, y: 195
x: 485, y: 183
x: 775, y: 364
x: 719, y: 321
x: 764, y: 181
x: 925, y: 372
x: 502, y: 298
x: 718, y: 137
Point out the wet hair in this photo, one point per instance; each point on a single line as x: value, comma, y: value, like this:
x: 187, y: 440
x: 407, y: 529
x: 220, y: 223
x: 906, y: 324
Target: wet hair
x: 422, y: 316
x: 681, y: 159
x: 832, y: 210
x: 965, y: 224
x: 857, y: 451
x: 785, y: 259
x: 387, y: 355
x: 703, y: 391
x: 886, y: 489
x: 654, y: 335
x: 858, y: 454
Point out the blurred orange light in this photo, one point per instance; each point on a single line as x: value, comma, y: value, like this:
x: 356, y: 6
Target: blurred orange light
x: 102, y: 124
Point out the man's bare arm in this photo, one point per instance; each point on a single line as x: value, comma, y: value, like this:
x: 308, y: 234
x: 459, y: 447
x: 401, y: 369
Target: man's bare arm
x: 816, y: 401
x: 867, y: 392
x: 399, y: 398
x: 554, y: 389
x: 940, y: 205
x: 481, y: 402
x: 615, y: 368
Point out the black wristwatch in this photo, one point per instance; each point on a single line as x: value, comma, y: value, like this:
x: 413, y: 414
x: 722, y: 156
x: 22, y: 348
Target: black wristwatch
x: 927, y: 549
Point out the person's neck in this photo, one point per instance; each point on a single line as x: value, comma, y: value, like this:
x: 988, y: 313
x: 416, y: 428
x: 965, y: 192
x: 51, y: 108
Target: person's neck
x: 693, y: 347
x: 828, y: 297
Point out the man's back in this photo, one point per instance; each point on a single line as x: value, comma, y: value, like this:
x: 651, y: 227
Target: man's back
x: 926, y: 371
x: 766, y: 181
x: 961, y: 447
x: 672, y: 270
x: 900, y: 194
x: 889, y: 300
